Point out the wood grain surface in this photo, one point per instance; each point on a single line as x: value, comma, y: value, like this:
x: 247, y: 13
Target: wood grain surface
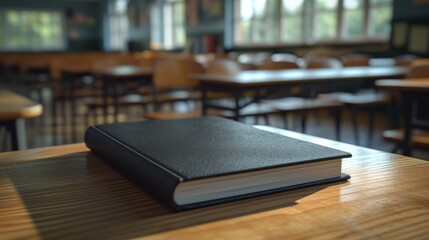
x: 65, y: 192
x: 13, y: 106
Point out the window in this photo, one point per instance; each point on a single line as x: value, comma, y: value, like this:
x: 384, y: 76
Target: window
x: 380, y: 13
x: 31, y: 30
x: 292, y: 21
x: 257, y: 21
x: 168, y: 25
x: 325, y: 19
x: 353, y: 19
x: 269, y: 22
x: 117, y: 20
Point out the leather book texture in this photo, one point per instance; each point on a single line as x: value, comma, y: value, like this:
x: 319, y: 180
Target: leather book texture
x: 159, y: 155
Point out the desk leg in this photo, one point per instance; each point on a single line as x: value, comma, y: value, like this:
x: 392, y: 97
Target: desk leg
x: 18, y: 137
x: 74, y: 112
x: 115, y: 101
x: 408, y: 114
x: 237, y: 105
x: 204, y: 100
x: 105, y: 98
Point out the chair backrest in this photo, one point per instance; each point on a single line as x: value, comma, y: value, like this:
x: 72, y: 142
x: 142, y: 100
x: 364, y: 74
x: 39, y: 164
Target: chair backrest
x: 280, y: 57
x: 173, y: 73
x: 322, y: 62
x: 419, y: 61
x: 405, y: 60
x: 223, y: 67
x: 420, y: 71
x: 280, y: 65
x: 355, y: 60
x: 253, y: 58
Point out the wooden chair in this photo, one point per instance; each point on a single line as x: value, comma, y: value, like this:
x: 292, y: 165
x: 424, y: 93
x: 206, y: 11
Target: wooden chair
x: 138, y: 96
x: 172, y: 83
x: 278, y: 65
x: 223, y: 67
x: 286, y: 105
x: 420, y: 137
x: 322, y: 62
x: 358, y: 98
x: 405, y: 60
x: 76, y: 83
x: 279, y: 57
x: 355, y: 60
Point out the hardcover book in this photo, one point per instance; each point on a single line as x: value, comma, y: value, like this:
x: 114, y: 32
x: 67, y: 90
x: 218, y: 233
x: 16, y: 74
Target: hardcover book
x: 195, y: 162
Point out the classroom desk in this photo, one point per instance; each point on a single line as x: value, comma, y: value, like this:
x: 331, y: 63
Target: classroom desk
x: 412, y: 90
x: 270, y: 81
x: 14, y: 109
x: 113, y: 77
x: 66, y: 192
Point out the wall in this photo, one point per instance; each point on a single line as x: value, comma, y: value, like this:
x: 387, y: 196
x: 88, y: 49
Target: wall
x: 407, y: 9
x: 83, y: 20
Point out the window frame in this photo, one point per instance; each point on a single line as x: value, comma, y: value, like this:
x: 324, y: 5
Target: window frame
x: 308, y: 26
x: 63, y: 30
x: 160, y: 42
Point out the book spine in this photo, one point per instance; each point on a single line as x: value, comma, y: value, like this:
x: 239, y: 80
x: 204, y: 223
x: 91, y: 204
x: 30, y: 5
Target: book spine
x: 159, y: 182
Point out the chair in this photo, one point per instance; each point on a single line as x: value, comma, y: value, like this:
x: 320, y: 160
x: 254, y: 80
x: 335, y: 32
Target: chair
x: 359, y: 99
x: 286, y: 105
x: 73, y: 72
x: 135, y: 94
x: 174, y: 85
x: 249, y: 61
x: 279, y: 57
x: 277, y: 65
x: 225, y: 67
x: 420, y: 137
x: 322, y: 62
x: 355, y: 60
x: 405, y: 60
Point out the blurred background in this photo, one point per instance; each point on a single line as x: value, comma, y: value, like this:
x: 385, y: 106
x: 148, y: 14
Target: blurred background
x: 42, y: 42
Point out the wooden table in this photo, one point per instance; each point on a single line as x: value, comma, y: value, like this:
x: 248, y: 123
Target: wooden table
x: 14, y: 109
x: 114, y: 76
x: 111, y: 78
x: 271, y: 81
x: 66, y: 192
x: 412, y: 90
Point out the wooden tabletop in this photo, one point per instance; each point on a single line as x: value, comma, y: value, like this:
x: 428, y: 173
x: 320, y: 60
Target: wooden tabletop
x: 414, y: 85
x: 66, y: 192
x: 299, y: 76
x: 14, y: 106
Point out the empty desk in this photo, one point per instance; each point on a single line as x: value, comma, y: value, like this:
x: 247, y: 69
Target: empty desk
x: 14, y: 109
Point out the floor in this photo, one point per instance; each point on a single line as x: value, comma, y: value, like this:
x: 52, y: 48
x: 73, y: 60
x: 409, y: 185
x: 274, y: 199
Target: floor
x: 40, y: 130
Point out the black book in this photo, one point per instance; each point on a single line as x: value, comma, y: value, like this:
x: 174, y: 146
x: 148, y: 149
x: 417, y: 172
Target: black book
x: 195, y: 162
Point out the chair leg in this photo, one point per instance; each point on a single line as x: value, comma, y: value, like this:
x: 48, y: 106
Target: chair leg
x: 337, y: 115
x: 395, y: 148
x: 304, y: 121
x: 266, y: 119
x: 355, y: 125
x: 370, y: 126
x: 284, y: 117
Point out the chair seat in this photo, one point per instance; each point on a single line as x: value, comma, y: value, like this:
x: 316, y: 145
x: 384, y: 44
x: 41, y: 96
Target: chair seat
x: 252, y: 110
x: 295, y: 104
x: 419, y: 138
x: 172, y: 115
x: 122, y: 101
x: 363, y: 99
x: 58, y: 94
